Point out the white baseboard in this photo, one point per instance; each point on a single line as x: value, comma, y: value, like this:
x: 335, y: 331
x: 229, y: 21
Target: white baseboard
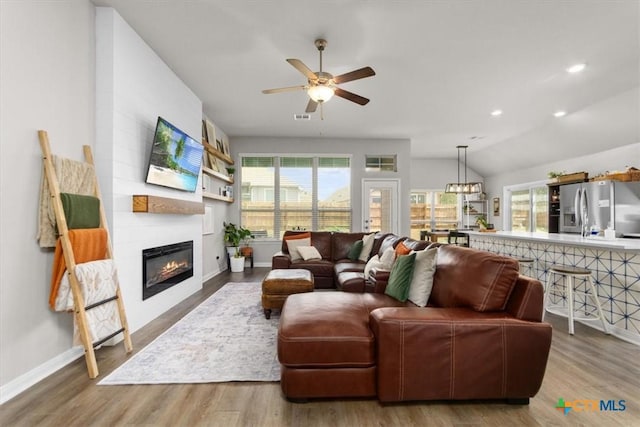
x: 262, y: 264
x: 210, y: 275
x: 37, y: 374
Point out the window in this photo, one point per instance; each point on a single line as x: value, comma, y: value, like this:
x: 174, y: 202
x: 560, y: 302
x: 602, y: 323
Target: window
x: 528, y: 206
x: 381, y: 163
x: 434, y: 210
x: 295, y: 192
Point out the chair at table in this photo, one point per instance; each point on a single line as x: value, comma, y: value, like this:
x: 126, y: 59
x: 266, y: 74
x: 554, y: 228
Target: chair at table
x: 458, y: 238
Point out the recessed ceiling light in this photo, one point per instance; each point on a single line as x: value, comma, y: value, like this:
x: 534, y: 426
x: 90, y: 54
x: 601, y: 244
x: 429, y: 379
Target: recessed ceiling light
x: 576, y: 68
x: 496, y: 113
x: 560, y: 113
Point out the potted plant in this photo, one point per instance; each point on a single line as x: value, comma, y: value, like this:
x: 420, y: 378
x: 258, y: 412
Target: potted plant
x: 232, y: 237
x: 231, y: 171
x: 482, y: 222
x: 245, y: 236
x: 553, y: 175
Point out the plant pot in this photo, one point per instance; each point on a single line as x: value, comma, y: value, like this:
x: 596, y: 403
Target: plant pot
x: 237, y: 264
x: 246, y: 251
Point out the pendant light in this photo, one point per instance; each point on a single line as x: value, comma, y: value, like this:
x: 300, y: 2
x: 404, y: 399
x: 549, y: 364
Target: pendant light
x: 463, y: 187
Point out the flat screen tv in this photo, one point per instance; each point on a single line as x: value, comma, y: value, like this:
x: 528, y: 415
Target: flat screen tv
x: 175, y: 158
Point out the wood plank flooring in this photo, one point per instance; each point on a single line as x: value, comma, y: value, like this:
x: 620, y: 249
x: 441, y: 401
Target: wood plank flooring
x: 589, y: 365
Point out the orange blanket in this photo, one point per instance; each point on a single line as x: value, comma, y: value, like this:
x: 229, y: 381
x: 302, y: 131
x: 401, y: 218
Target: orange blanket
x: 89, y: 244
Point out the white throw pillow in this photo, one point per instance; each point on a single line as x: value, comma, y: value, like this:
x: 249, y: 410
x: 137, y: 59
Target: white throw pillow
x: 309, y: 252
x: 422, y: 280
x: 374, y: 262
x: 293, y: 244
x: 388, y: 257
x: 367, y: 245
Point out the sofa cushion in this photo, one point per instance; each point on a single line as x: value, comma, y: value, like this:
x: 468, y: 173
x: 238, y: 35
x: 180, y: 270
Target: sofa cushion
x: 341, y: 243
x: 292, y: 246
x: 308, y: 253
x: 321, y: 240
x: 319, y: 267
x: 472, y: 278
x: 422, y: 280
x: 329, y: 329
x: 367, y: 245
x: 348, y: 266
x: 354, y: 251
x: 400, y: 277
x: 351, y: 281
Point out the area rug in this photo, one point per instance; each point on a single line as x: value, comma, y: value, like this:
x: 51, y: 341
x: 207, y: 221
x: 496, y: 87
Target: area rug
x: 226, y: 338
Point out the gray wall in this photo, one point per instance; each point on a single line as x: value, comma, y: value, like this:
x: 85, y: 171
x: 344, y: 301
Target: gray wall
x: 595, y: 164
x: 47, y: 80
x: 357, y: 148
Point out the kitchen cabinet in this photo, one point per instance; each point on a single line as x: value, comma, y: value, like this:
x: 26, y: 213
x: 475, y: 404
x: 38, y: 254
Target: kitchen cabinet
x: 554, y: 208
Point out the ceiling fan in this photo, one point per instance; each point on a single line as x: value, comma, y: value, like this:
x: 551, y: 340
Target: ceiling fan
x: 321, y: 86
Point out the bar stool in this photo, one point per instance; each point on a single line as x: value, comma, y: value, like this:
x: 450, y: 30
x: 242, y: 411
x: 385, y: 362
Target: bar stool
x: 569, y: 274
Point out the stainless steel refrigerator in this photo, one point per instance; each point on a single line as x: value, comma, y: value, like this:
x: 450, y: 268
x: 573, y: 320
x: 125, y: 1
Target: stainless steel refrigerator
x: 601, y: 204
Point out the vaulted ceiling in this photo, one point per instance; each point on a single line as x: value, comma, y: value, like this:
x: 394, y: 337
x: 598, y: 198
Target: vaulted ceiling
x: 441, y: 68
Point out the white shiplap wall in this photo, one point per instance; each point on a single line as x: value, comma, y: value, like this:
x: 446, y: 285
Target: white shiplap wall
x: 133, y: 87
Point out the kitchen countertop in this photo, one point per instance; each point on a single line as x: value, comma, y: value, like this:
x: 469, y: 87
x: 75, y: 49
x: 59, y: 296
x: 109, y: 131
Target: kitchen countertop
x: 565, y: 239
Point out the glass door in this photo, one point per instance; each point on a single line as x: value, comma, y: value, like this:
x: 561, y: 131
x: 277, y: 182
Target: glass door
x: 529, y: 209
x: 380, y: 206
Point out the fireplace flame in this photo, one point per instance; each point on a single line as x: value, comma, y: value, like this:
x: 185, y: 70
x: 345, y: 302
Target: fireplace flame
x: 172, y: 266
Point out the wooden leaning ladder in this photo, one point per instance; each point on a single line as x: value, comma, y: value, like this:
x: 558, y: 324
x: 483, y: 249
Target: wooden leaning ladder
x: 78, y: 301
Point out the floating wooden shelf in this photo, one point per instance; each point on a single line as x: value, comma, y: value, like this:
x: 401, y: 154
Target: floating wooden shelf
x: 219, y: 154
x: 165, y: 205
x: 217, y: 197
x: 218, y: 175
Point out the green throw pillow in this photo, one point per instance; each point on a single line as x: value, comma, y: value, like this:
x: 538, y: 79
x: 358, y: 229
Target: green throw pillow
x: 354, y: 251
x: 400, y: 277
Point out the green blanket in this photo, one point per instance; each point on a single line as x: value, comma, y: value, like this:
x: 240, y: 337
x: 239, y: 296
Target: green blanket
x: 81, y: 211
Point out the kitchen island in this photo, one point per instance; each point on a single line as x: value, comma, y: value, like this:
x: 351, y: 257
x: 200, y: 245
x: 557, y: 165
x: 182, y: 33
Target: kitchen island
x: 615, y: 266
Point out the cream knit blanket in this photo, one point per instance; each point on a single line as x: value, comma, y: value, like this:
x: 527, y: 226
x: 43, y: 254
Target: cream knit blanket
x: 98, y: 281
x: 73, y: 177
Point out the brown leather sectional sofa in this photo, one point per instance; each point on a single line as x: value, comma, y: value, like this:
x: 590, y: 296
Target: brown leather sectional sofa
x: 335, y: 269
x: 480, y: 337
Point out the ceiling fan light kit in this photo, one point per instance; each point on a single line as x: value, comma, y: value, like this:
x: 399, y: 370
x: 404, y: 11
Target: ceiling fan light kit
x: 463, y: 187
x: 320, y: 93
x: 322, y: 86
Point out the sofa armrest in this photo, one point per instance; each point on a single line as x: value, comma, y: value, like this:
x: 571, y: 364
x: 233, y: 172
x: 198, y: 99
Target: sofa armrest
x: 437, y: 353
x: 379, y: 278
x: 526, y: 299
x: 280, y: 260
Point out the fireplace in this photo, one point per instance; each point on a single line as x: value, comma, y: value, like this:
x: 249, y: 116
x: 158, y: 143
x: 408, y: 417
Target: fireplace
x: 166, y: 266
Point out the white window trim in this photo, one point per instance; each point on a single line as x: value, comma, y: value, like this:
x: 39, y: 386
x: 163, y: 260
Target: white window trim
x: 506, y: 197
x: 276, y: 188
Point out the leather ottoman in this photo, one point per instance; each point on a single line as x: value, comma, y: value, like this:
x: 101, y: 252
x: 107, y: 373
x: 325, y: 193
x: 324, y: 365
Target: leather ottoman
x: 281, y: 283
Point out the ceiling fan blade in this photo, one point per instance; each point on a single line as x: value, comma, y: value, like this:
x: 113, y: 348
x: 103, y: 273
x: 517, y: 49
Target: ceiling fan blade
x: 311, y: 106
x: 299, y: 65
x: 351, y: 96
x: 354, y: 75
x: 283, y: 89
